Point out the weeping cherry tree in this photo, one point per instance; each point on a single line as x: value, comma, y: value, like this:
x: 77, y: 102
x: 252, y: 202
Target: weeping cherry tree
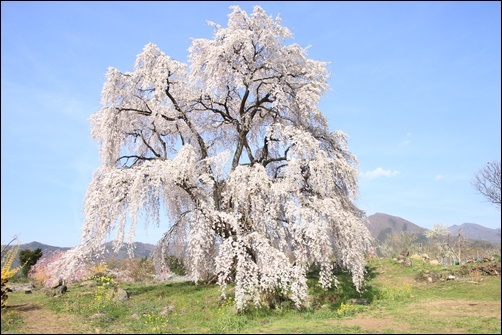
x: 233, y: 149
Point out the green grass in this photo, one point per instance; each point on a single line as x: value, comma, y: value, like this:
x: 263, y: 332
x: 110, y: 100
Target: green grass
x: 397, y: 303
x: 11, y: 321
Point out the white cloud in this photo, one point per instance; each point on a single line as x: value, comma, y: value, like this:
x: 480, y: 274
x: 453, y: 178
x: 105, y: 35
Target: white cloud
x: 439, y: 177
x: 379, y: 172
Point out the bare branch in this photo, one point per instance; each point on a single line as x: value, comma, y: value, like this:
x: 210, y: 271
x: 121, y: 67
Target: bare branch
x: 487, y: 182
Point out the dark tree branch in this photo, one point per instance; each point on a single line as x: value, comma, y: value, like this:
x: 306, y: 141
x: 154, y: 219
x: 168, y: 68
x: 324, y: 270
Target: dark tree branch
x: 185, y: 118
x: 487, y: 182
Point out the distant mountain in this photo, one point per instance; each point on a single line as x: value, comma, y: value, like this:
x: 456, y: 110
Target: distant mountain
x: 380, y: 225
x: 32, y: 246
x: 44, y: 247
x: 476, y: 232
x: 141, y: 250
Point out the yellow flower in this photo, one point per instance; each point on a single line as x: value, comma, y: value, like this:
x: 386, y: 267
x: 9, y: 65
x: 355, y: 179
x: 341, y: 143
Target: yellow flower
x: 7, y: 258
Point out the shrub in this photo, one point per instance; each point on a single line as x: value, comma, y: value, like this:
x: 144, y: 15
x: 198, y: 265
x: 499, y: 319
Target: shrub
x: 8, y: 256
x: 29, y: 258
x: 46, y: 270
x: 176, y: 265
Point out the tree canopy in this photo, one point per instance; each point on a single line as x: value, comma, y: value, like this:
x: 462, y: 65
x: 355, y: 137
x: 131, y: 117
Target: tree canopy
x: 487, y: 182
x: 234, y: 147
x: 29, y: 258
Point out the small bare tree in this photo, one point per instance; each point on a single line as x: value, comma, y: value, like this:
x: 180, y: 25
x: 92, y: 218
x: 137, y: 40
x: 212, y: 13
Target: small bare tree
x: 460, y: 244
x: 399, y: 243
x: 487, y: 182
x: 439, y: 247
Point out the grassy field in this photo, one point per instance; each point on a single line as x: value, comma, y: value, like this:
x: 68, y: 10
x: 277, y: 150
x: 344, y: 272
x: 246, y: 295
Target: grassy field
x: 399, y: 300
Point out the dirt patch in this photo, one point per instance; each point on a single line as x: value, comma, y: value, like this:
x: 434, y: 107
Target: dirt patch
x: 444, y: 308
x: 377, y: 325
x: 465, y: 308
x: 37, y: 320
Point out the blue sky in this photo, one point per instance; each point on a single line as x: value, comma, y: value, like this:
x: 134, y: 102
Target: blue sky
x: 416, y: 86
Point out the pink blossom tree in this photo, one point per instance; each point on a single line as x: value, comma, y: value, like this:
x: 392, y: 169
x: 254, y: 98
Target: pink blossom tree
x: 48, y: 268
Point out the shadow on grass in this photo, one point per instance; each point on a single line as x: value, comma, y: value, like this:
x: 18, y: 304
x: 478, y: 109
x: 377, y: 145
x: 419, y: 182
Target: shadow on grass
x: 345, y: 291
x: 23, y: 307
x: 332, y: 297
x: 179, y: 287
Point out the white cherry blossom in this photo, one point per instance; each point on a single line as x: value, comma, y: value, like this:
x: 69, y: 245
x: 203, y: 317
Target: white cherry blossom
x: 235, y: 149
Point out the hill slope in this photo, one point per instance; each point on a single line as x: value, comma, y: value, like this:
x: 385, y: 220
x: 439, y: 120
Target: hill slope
x: 380, y: 225
x: 141, y: 250
x: 476, y: 232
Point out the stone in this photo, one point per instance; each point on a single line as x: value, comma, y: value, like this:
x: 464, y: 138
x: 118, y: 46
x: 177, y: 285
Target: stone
x: 61, y: 290
x: 118, y: 294
x: 435, y: 276
x: 121, y: 294
x: 406, y: 262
